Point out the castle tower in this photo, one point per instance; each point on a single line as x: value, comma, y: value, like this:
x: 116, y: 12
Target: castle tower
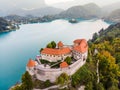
x: 60, y: 45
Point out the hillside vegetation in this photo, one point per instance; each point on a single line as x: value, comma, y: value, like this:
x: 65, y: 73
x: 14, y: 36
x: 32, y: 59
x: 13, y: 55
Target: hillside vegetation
x: 104, y: 55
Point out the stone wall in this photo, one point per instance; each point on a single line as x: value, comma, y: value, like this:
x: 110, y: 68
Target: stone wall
x: 51, y: 74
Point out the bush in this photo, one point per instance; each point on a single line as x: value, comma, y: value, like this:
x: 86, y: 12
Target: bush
x: 100, y: 86
x: 68, y: 60
x: 52, y: 44
x: 47, y: 83
x: 62, y: 79
x: 89, y: 86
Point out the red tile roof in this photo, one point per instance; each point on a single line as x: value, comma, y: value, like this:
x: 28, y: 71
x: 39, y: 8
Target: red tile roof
x: 60, y: 44
x: 63, y: 65
x: 82, y: 47
x: 31, y: 63
x: 79, y: 40
x: 56, y: 51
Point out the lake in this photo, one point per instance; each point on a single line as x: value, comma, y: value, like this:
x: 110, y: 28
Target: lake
x: 18, y: 46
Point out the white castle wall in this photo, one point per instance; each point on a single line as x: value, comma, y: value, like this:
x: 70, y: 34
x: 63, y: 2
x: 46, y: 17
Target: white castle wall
x: 51, y: 74
x: 54, y: 58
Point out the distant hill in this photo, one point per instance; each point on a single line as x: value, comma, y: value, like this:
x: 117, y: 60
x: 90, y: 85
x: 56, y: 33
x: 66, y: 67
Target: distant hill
x: 44, y: 11
x: 29, y: 19
x: 5, y: 25
x: 14, y: 17
x: 114, y: 16
x: 109, y: 8
x: 34, y: 12
x: 19, y: 6
x: 87, y: 11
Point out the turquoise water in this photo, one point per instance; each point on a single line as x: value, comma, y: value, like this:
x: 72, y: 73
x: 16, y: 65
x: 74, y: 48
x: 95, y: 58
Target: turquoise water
x: 17, y: 47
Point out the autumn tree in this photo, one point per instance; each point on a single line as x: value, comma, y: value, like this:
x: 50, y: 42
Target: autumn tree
x: 109, y: 70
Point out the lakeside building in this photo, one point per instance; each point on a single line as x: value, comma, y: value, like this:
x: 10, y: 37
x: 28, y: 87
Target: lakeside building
x: 78, y: 51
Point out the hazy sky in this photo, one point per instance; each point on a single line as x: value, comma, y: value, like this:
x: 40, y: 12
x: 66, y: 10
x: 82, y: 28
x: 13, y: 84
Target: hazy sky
x: 6, y: 4
x: 99, y: 2
x: 56, y: 1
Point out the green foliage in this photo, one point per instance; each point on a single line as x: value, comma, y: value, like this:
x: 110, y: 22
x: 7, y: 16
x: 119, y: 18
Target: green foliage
x: 52, y: 64
x: 62, y: 79
x: 27, y: 83
x: 100, y: 86
x: 41, y: 49
x: 47, y: 83
x: 17, y: 88
x: 68, y: 60
x: 44, y: 61
x: 89, y: 86
x: 52, y: 44
x: 113, y: 88
x: 83, y: 75
x: 95, y: 36
x: 117, y: 57
x: 41, y: 84
x: 108, y: 45
x: 49, y: 45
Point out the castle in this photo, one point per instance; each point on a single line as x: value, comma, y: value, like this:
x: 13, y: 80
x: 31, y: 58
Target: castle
x: 78, y: 51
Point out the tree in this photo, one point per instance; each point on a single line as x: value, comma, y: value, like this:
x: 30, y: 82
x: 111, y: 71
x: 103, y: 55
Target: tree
x: 53, y: 44
x: 17, y: 88
x: 83, y: 75
x: 113, y: 88
x: 117, y: 57
x: 62, y: 79
x: 68, y: 60
x: 95, y: 36
x: 109, y: 70
x: 41, y: 49
x: 49, y: 45
x: 89, y: 86
x: 27, y: 83
x: 100, y: 86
